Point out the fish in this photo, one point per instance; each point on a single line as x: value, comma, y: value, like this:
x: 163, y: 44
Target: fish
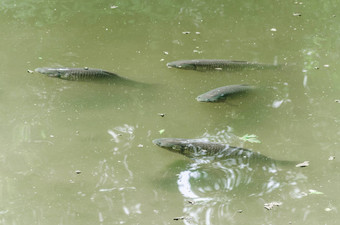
x: 217, y: 64
x: 77, y: 73
x: 199, y: 147
x: 221, y: 93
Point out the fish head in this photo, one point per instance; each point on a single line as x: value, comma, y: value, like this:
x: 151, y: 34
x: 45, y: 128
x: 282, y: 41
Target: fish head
x: 51, y: 72
x: 172, y: 144
x: 186, y: 65
x: 202, y: 98
x: 165, y: 142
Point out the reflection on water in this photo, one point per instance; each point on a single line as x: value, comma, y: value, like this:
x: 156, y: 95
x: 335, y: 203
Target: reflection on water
x: 211, y: 184
x: 120, y: 130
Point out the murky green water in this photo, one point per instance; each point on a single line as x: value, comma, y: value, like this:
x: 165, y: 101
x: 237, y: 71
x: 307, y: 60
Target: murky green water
x: 82, y: 152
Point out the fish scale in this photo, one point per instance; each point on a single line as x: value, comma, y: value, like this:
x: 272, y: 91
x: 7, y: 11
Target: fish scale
x: 87, y: 74
x: 221, y: 93
x: 216, y: 64
x: 198, y: 147
x: 76, y: 73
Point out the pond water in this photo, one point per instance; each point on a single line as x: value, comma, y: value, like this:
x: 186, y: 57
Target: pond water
x: 81, y: 152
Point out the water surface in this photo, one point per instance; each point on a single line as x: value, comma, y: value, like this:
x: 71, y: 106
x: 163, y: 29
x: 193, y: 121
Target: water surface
x: 82, y: 152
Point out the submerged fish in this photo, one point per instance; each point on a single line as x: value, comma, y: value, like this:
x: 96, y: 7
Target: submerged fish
x: 216, y: 64
x: 76, y: 73
x: 222, y: 92
x: 198, y: 147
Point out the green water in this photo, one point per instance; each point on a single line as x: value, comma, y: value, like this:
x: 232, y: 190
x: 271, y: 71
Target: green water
x: 82, y: 152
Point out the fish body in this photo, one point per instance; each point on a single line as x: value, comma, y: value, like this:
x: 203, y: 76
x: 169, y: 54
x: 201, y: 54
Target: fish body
x: 222, y: 92
x: 76, y: 73
x: 199, y: 147
x: 218, y: 151
x: 216, y: 64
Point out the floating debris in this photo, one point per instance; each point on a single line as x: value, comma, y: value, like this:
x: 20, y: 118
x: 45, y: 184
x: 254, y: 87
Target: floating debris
x: 326, y: 65
x: 179, y: 218
x: 337, y: 100
x: 78, y: 172
x: 197, y: 32
x: 186, y: 32
x: 303, y: 164
x: 166, y: 53
x: 240, y: 211
x: 316, y: 67
x: 271, y: 205
x: 252, y: 138
x: 332, y: 157
x: 30, y: 71
x: 161, y: 114
x: 197, y: 51
x: 273, y: 29
x: 161, y: 131
x: 140, y: 146
x: 191, y: 202
x: 297, y: 14
x: 315, y: 192
x: 113, y: 6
